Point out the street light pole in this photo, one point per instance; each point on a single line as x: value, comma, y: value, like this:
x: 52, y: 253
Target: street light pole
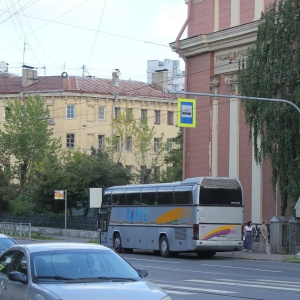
x: 239, y: 97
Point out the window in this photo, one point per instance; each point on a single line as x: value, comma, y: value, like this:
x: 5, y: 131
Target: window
x: 70, y: 140
x: 101, y: 142
x: 170, y: 144
x: 101, y: 113
x: 117, y: 112
x: 170, y: 118
x: 156, y: 144
x: 145, y: 174
x: 128, y: 143
x: 157, y: 172
x: 70, y: 111
x: 157, y: 117
x: 133, y: 197
x: 183, y: 195
x: 129, y: 115
x: 165, y: 195
x: 117, y: 143
x: 143, y: 113
x: 6, y: 113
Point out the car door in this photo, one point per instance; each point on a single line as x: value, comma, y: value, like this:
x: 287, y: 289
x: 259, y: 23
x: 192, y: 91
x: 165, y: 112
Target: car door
x: 12, y: 261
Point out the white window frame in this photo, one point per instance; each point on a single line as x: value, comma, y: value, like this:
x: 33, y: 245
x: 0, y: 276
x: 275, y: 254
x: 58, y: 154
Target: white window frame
x: 70, y: 112
x: 157, y: 117
x: 101, y: 141
x: 101, y: 113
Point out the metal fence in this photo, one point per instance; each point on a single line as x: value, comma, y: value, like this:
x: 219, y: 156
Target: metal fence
x: 16, y: 229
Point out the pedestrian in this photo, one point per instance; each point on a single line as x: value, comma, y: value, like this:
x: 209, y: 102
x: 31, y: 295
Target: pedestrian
x: 248, y: 231
x: 264, y: 238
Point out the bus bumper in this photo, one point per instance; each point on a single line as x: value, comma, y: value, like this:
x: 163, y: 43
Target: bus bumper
x: 218, y: 246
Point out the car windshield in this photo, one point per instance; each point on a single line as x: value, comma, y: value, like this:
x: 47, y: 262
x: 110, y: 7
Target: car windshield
x: 81, y: 265
x: 6, y: 243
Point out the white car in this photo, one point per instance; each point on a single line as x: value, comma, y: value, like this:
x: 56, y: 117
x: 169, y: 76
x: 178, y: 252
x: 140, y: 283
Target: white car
x: 6, y: 242
x: 72, y: 271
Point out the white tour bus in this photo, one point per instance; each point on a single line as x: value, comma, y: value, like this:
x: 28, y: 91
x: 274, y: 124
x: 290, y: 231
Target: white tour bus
x: 201, y: 215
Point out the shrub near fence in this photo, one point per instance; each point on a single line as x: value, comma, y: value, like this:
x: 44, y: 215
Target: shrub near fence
x: 53, y: 221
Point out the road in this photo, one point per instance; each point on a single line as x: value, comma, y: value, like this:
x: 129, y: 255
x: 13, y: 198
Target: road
x: 187, y: 277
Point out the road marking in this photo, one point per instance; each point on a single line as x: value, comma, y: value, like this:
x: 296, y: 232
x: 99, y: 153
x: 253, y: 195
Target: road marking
x: 152, y: 260
x: 230, y: 267
x: 244, y: 284
x: 279, y: 281
x: 189, y: 289
x: 178, y: 292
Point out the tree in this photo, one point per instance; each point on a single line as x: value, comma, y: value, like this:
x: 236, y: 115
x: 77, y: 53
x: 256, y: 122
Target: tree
x: 174, y: 160
x: 75, y: 172
x: 7, y: 192
x: 139, y: 137
x: 273, y: 71
x: 148, y: 151
x: 26, y: 138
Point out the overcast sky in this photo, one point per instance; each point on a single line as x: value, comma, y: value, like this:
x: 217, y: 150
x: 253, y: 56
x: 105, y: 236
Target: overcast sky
x: 102, y: 35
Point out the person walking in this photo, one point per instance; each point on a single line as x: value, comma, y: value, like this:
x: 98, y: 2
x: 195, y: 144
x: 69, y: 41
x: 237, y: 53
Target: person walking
x: 248, y: 230
x: 264, y: 238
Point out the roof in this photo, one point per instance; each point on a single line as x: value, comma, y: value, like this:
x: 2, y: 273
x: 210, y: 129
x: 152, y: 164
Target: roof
x: 10, y: 84
x: 40, y: 247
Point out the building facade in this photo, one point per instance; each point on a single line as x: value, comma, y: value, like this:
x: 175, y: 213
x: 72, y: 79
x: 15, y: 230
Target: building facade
x: 82, y: 108
x: 219, y: 33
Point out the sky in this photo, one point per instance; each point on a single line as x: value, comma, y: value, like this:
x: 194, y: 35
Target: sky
x: 89, y: 37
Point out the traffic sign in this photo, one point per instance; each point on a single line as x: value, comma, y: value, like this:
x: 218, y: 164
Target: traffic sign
x: 186, y: 112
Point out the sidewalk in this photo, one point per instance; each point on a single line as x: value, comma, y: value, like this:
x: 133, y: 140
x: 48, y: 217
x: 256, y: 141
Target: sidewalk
x: 235, y: 254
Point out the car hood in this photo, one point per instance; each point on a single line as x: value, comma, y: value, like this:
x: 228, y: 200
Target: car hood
x: 137, y: 290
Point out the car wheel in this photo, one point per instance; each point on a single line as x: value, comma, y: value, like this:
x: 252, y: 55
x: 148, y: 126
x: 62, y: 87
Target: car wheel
x: 164, y: 246
x: 118, y: 243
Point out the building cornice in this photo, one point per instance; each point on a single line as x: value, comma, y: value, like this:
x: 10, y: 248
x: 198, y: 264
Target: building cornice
x: 225, y: 39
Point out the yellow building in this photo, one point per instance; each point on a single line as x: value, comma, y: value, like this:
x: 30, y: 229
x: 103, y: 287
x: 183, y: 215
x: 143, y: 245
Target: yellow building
x: 81, y: 108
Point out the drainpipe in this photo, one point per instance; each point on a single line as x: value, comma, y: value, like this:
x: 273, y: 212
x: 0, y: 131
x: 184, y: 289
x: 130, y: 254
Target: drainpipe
x: 182, y: 30
x: 185, y: 80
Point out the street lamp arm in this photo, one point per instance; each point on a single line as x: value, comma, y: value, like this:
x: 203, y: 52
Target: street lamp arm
x: 239, y: 97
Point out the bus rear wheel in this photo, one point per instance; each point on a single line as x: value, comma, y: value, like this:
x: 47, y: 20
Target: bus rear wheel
x: 118, y: 243
x: 164, y: 247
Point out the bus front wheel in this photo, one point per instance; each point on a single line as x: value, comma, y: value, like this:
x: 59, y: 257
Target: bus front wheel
x: 118, y: 243
x: 164, y: 246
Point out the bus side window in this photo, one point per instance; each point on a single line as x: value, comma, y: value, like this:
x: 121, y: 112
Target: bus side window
x: 183, y: 197
x: 133, y: 199
x: 118, y: 199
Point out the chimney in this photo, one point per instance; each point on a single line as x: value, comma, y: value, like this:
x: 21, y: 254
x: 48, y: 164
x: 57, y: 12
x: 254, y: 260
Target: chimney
x: 160, y: 79
x: 29, y: 76
x: 116, y: 77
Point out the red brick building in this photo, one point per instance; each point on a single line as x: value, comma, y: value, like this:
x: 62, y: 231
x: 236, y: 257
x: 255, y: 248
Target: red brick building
x: 219, y: 32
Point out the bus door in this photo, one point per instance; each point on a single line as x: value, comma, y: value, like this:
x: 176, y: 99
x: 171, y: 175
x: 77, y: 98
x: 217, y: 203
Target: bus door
x: 103, y: 225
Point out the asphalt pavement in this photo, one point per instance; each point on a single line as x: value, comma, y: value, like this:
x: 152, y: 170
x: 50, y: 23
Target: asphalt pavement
x: 235, y: 254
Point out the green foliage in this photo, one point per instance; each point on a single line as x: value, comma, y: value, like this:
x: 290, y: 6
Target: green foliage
x: 174, y: 160
x: 75, y: 172
x: 145, y: 156
x: 273, y: 71
x: 7, y: 192
x: 26, y: 139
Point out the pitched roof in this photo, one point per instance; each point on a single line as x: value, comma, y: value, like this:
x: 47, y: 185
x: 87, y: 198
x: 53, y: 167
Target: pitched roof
x: 10, y: 84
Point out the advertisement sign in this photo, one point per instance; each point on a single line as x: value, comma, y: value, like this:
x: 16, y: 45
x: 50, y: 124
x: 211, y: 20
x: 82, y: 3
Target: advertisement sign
x: 59, y: 195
